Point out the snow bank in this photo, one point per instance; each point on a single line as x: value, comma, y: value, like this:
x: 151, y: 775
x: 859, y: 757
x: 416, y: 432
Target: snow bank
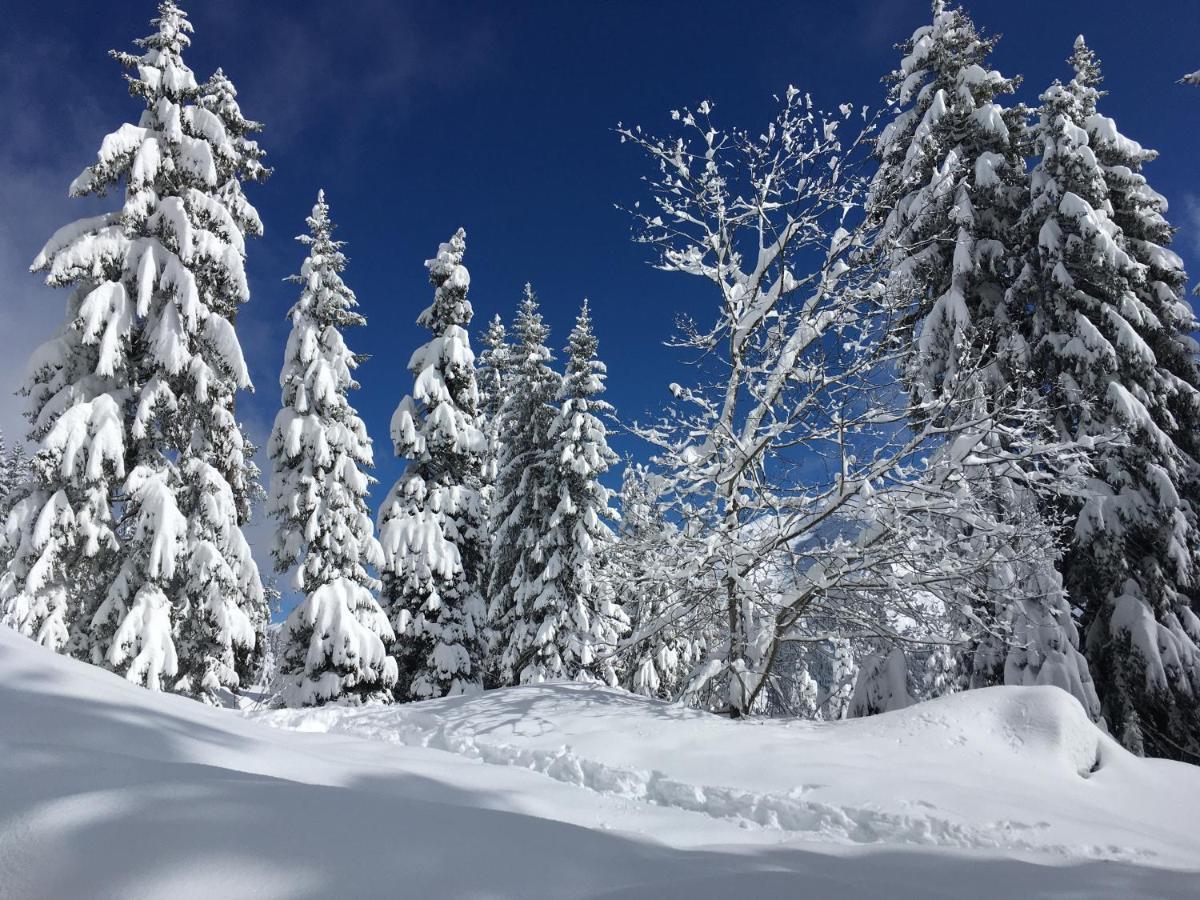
x: 1004, y: 768
x: 108, y: 790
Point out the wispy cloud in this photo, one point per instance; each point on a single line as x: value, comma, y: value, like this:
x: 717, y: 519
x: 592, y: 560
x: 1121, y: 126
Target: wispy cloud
x: 1190, y: 226
x: 358, y: 65
x: 47, y: 142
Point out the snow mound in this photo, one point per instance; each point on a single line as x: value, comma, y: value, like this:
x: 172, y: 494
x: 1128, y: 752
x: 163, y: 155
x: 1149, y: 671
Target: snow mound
x: 108, y: 790
x: 975, y: 770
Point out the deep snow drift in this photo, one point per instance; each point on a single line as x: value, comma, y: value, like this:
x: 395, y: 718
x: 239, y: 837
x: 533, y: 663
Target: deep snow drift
x: 107, y: 790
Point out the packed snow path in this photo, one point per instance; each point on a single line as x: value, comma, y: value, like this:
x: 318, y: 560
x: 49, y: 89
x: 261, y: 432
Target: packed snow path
x: 108, y: 790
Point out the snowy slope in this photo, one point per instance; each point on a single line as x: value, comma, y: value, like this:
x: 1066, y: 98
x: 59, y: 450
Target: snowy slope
x: 999, y: 768
x: 107, y: 790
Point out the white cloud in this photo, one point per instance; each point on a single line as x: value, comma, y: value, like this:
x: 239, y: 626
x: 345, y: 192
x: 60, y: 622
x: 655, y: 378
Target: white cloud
x: 342, y: 66
x: 45, y: 146
x: 1190, y: 227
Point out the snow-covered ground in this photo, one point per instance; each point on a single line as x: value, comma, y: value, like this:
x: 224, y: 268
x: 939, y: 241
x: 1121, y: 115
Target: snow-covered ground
x: 108, y: 790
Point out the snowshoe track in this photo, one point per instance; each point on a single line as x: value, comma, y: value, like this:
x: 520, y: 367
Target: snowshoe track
x: 785, y: 812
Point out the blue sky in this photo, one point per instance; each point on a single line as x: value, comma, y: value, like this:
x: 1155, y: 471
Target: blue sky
x: 419, y: 117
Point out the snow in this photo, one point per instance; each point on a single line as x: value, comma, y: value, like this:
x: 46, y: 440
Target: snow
x: 1103, y: 132
x: 343, y: 651
x: 335, y: 642
x: 559, y: 790
x: 430, y: 524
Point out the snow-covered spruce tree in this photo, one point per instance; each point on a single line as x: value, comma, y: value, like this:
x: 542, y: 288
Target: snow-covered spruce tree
x: 948, y: 191
x: 237, y: 160
x: 940, y: 674
x: 946, y: 199
x: 333, y: 646
x: 660, y: 650
x: 834, y: 701
x: 431, y: 524
x: 185, y: 412
x: 140, y: 343
x: 492, y: 369
x: 15, y: 476
x: 493, y: 376
x: 59, y: 540
x: 525, y: 497
x: 171, y: 267
x: 569, y: 630
x: 1111, y: 347
x: 14, y: 473
x: 798, y: 363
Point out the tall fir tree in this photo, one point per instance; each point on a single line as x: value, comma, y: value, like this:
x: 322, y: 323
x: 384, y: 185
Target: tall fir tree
x: 1111, y: 347
x: 493, y: 367
x: 240, y: 161
x: 148, y: 354
x: 526, y: 495
x: 572, y: 626
x: 431, y: 524
x: 334, y: 644
x: 191, y: 367
x: 494, y: 376
x: 14, y: 474
x: 946, y: 200
x: 948, y: 191
x: 232, y: 452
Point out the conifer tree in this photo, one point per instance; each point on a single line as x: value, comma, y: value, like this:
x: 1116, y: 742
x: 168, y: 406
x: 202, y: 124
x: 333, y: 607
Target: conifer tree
x: 881, y: 685
x: 526, y: 495
x: 14, y: 470
x: 15, y: 483
x: 493, y: 374
x: 147, y: 360
x: 834, y: 701
x: 947, y: 197
x: 570, y: 629
x: 1111, y: 349
x: 334, y: 644
x: 431, y: 524
x: 940, y: 673
x: 190, y: 366
x: 947, y: 193
x: 59, y: 539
